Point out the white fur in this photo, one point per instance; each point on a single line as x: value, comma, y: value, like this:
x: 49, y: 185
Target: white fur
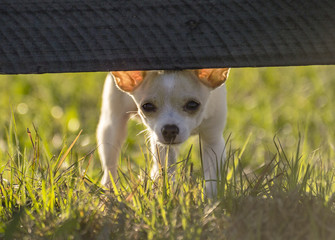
x: 169, y: 91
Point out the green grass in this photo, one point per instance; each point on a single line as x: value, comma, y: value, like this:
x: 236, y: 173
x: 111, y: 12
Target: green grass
x: 278, y: 180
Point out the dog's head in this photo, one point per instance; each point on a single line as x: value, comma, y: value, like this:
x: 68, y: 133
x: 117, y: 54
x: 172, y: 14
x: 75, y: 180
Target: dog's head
x: 171, y: 103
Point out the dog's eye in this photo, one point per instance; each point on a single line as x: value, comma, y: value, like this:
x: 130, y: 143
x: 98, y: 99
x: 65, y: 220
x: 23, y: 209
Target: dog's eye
x: 149, y: 107
x: 191, y: 106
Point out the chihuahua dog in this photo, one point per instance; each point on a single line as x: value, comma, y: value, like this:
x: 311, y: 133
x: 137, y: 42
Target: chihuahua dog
x: 173, y: 105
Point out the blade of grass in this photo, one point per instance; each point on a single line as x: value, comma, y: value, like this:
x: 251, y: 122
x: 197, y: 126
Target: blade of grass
x: 116, y: 191
x: 67, y: 152
x: 244, y: 145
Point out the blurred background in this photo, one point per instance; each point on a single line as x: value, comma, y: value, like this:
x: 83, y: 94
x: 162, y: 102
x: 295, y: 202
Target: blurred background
x: 263, y: 103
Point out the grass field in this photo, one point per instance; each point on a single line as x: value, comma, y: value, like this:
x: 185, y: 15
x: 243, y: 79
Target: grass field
x: 278, y: 181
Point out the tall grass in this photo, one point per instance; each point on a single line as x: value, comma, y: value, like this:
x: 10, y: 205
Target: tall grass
x: 287, y: 197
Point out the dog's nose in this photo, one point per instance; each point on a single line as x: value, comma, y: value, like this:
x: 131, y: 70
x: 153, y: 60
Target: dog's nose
x: 170, y: 132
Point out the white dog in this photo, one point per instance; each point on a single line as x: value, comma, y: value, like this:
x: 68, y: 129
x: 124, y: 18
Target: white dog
x: 173, y: 105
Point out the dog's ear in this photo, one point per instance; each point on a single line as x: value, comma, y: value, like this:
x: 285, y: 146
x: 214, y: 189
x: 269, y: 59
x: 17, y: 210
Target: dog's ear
x: 213, y: 77
x: 128, y: 80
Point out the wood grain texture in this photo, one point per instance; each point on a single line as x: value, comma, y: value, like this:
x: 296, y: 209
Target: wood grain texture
x: 38, y: 36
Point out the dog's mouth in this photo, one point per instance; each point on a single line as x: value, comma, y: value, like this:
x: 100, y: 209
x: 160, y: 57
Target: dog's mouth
x: 170, y: 142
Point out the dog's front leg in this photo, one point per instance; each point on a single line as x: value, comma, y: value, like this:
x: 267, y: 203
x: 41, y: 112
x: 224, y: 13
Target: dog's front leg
x: 111, y: 136
x: 213, y: 158
x: 116, y: 109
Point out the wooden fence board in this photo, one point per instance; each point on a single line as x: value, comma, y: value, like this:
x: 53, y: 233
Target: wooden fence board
x: 38, y: 36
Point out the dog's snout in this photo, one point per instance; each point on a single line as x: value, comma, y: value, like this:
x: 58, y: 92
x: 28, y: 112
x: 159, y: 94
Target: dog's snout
x: 170, y: 132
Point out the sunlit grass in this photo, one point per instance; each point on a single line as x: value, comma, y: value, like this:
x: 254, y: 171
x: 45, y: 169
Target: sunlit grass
x: 43, y: 199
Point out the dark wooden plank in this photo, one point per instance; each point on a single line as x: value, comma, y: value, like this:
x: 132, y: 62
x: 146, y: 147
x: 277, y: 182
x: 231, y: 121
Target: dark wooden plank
x: 38, y: 36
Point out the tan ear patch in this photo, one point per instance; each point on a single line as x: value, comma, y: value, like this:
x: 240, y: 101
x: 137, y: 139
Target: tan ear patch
x: 128, y: 81
x: 214, y: 77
